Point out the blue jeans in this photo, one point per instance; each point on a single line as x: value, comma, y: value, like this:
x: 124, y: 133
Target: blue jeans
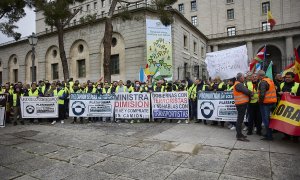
x: 265, y: 110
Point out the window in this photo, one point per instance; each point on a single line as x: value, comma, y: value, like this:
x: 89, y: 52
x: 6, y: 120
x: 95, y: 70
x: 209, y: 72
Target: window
x: 114, y: 64
x: 87, y: 7
x: 231, y: 31
x: 15, y: 72
x: 230, y: 14
x: 266, y: 26
x: 194, y: 20
x: 81, y: 68
x: 54, y: 68
x: 193, y: 6
x: 265, y: 6
x: 95, y: 5
x: 229, y: 1
x: 74, y: 22
x: 195, y: 47
x: 181, y: 8
x: 202, y: 51
x: 102, y: 3
x: 185, y: 41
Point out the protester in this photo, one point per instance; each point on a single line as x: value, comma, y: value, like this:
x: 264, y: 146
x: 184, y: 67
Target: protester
x: 254, y: 116
x: 267, y: 99
x: 289, y: 86
x: 241, y: 98
x: 230, y: 86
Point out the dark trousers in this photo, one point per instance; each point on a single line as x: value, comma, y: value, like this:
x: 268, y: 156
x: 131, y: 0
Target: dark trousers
x: 194, y: 109
x: 241, y: 109
x: 254, y: 119
x: 61, y: 112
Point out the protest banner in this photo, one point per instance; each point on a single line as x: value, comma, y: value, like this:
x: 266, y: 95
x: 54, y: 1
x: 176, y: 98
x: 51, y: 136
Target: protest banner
x: 170, y: 105
x: 217, y: 106
x: 132, y: 105
x: 227, y: 63
x: 39, y: 107
x: 3, y: 101
x: 91, y: 105
x: 286, y: 116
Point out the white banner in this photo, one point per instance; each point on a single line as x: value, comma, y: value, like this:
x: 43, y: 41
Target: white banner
x: 132, y: 105
x: 171, y: 105
x: 2, y: 116
x: 39, y: 107
x: 227, y: 63
x: 91, y: 105
x: 217, y: 106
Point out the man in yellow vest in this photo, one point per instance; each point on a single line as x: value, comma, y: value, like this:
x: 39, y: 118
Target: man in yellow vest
x: 121, y: 88
x: 218, y: 85
x: 254, y: 116
x: 60, y: 93
x: 241, y: 99
x: 267, y: 99
x: 16, y: 105
x: 289, y: 86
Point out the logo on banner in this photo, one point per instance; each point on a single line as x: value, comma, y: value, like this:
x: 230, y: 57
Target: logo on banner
x: 78, y: 108
x: 207, y: 109
x: 30, y: 109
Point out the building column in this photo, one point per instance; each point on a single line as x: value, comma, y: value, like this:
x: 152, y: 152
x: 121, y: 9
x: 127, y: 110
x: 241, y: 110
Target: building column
x: 250, y: 50
x: 208, y: 49
x: 289, y: 49
x: 215, y: 48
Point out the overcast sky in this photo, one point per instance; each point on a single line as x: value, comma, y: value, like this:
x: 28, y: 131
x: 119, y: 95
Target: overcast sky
x: 26, y: 26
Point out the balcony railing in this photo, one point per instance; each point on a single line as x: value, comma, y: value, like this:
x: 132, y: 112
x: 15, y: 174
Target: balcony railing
x: 254, y: 30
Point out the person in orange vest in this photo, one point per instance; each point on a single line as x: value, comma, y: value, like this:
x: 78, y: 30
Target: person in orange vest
x: 241, y: 96
x: 267, y: 99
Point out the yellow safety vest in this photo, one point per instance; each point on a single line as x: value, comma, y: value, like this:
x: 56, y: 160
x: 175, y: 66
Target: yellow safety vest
x: 254, y: 98
x: 36, y: 93
x: 294, y: 88
x: 59, y: 94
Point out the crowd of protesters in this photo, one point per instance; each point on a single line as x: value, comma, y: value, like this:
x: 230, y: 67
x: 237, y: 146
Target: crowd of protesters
x: 254, y: 86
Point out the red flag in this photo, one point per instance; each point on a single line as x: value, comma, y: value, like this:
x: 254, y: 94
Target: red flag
x: 297, y: 66
x: 271, y: 20
x: 260, y: 56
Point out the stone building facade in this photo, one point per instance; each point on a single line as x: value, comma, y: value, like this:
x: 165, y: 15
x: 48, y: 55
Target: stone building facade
x: 230, y: 23
x: 84, y: 49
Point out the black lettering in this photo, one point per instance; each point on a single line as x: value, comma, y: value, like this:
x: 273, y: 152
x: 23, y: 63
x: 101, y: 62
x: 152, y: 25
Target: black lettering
x: 296, y: 116
x: 288, y: 112
x: 280, y: 109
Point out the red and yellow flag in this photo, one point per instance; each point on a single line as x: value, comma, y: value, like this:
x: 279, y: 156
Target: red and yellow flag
x: 286, y: 116
x: 260, y: 56
x: 294, y: 67
x: 271, y: 20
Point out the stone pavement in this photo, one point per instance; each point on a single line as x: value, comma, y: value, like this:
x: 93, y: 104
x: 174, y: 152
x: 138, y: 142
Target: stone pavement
x: 142, y: 151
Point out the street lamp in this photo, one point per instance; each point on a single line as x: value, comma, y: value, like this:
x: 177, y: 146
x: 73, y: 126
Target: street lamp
x: 33, y: 41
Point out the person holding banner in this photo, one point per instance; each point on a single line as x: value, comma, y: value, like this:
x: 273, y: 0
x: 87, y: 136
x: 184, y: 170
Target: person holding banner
x: 241, y: 99
x: 121, y: 87
x: 76, y: 89
x: 197, y: 88
x: 230, y: 86
x: 267, y: 100
x: 60, y: 93
x: 218, y: 85
x: 15, y: 104
x: 289, y: 86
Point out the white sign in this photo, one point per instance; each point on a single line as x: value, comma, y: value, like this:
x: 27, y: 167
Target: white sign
x: 91, y: 105
x: 2, y: 116
x: 132, y: 105
x: 39, y: 107
x: 217, y: 106
x: 227, y: 63
x: 171, y: 105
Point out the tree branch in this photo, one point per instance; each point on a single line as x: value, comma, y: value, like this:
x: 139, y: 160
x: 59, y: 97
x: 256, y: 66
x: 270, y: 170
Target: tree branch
x: 71, y: 17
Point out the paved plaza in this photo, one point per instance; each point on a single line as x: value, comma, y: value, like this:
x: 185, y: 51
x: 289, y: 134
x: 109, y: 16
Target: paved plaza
x: 142, y: 151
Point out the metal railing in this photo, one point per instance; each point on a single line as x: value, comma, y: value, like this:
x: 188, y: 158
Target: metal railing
x: 254, y: 30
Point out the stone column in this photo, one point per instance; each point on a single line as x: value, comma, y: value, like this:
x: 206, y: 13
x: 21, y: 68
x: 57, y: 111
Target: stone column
x: 289, y: 47
x: 289, y: 50
x: 215, y: 48
x: 250, y: 50
x: 208, y: 49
